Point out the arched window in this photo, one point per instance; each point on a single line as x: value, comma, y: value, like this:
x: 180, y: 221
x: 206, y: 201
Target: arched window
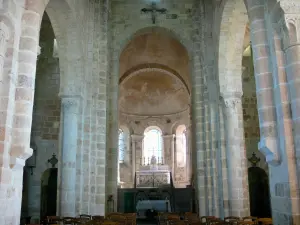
x: 122, y: 146
x: 181, y: 146
x: 152, y: 144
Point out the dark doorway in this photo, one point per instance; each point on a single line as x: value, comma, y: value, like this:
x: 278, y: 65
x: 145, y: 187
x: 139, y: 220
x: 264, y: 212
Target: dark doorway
x: 259, y: 192
x: 49, y: 192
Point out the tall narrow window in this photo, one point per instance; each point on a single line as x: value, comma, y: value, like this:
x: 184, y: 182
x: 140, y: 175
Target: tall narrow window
x: 152, y: 144
x: 122, y: 146
x: 181, y: 146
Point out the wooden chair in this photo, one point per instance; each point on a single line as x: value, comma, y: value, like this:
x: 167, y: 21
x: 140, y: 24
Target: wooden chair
x: 250, y: 218
x: 232, y: 219
x: 117, y: 217
x: 205, y: 219
x: 216, y: 221
x: 85, y: 216
x: 177, y: 222
x: 98, y: 218
x: 173, y: 217
x: 93, y: 222
x: 131, y: 218
x: 70, y: 221
x: 246, y: 222
x: 265, y: 221
x: 53, y: 220
x: 108, y: 222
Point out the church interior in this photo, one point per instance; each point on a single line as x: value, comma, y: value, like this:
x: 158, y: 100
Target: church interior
x: 164, y: 112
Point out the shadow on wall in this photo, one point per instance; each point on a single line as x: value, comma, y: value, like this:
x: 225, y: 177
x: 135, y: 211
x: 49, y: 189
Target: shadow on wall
x: 48, y: 193
x: 259, y: 192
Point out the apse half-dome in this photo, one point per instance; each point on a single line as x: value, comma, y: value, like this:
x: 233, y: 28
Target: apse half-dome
x: 153, y: 92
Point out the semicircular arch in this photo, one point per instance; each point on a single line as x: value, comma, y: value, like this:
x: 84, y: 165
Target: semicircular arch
x: 232, y: 27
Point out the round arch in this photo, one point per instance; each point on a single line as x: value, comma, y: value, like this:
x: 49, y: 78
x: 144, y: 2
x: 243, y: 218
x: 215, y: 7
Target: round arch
x: 156, y: 29
x: 232, y: 28
x: 151, y: 147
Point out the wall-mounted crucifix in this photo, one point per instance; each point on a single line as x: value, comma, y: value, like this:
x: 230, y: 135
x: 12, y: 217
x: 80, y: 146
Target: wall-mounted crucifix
x: 153, y: 10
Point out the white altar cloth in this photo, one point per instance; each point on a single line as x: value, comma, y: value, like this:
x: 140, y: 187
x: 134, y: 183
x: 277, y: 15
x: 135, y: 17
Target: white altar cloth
x: 158, y: 205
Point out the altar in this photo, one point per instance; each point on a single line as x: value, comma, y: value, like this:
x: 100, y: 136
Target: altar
x: 154, y: 205
x: 153, y: 175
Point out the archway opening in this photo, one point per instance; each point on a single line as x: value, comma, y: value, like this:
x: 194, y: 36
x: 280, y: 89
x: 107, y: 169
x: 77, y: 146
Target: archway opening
x: 154, y: 97
x: 48, y: 193
x: 45, y: 120
x: 237, y: 80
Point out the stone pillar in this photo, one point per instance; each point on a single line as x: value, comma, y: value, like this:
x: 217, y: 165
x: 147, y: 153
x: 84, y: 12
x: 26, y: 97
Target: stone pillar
x: 236, y: 155
x: 291, y: 48
x: 168, y: 142
x: 69, y: 129
x: 222, y: 157
x: 4, y: 36
x: 5, y: 119
x: 213, y: 159
x: 189, y: 163
x: 136, y: 151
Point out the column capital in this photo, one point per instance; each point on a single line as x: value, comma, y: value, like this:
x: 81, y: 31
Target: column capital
x: 70, y: 103
x: 232, y: 99
x: 136, y: 138
x: 231, y: 95
x: 4, y: 30
x: 168, y: 136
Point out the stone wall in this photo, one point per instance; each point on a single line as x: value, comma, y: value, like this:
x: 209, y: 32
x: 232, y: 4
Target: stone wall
x: 46, y: 115
x: 250, y: 114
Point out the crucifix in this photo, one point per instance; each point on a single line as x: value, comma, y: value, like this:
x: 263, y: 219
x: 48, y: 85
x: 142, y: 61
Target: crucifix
x: 153, y: 10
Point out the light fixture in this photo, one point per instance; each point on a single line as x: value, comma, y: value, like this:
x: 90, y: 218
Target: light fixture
x: 31, y: 162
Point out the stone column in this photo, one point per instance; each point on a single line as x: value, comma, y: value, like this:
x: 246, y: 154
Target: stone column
x: 4, y: 36
x: 223, y: 172
x: 236, y: 155
x: 291, y: 48
x: 5, y: 119
x: 189, y: 162
x: 168, y: 141
x: 213, y: 159
x: 69, y: 129
x: 136, y: 151
x: 268, y: 144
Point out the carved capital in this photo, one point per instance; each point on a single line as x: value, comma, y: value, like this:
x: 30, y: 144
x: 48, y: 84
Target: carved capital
x: 232, y: 100
x: 70, y: 104
x: 269, y: 147
x: 170, y: 136
x: 136, y: 138
x: 4, y: 36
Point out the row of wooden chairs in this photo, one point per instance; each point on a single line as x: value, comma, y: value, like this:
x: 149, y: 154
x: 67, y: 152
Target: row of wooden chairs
x: 193, y: 219
x: 110, y: 219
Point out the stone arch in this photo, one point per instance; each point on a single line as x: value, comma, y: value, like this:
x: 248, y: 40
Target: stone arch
x: 232, y: 32
x: 145, y: 30
x: 292, y: 31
